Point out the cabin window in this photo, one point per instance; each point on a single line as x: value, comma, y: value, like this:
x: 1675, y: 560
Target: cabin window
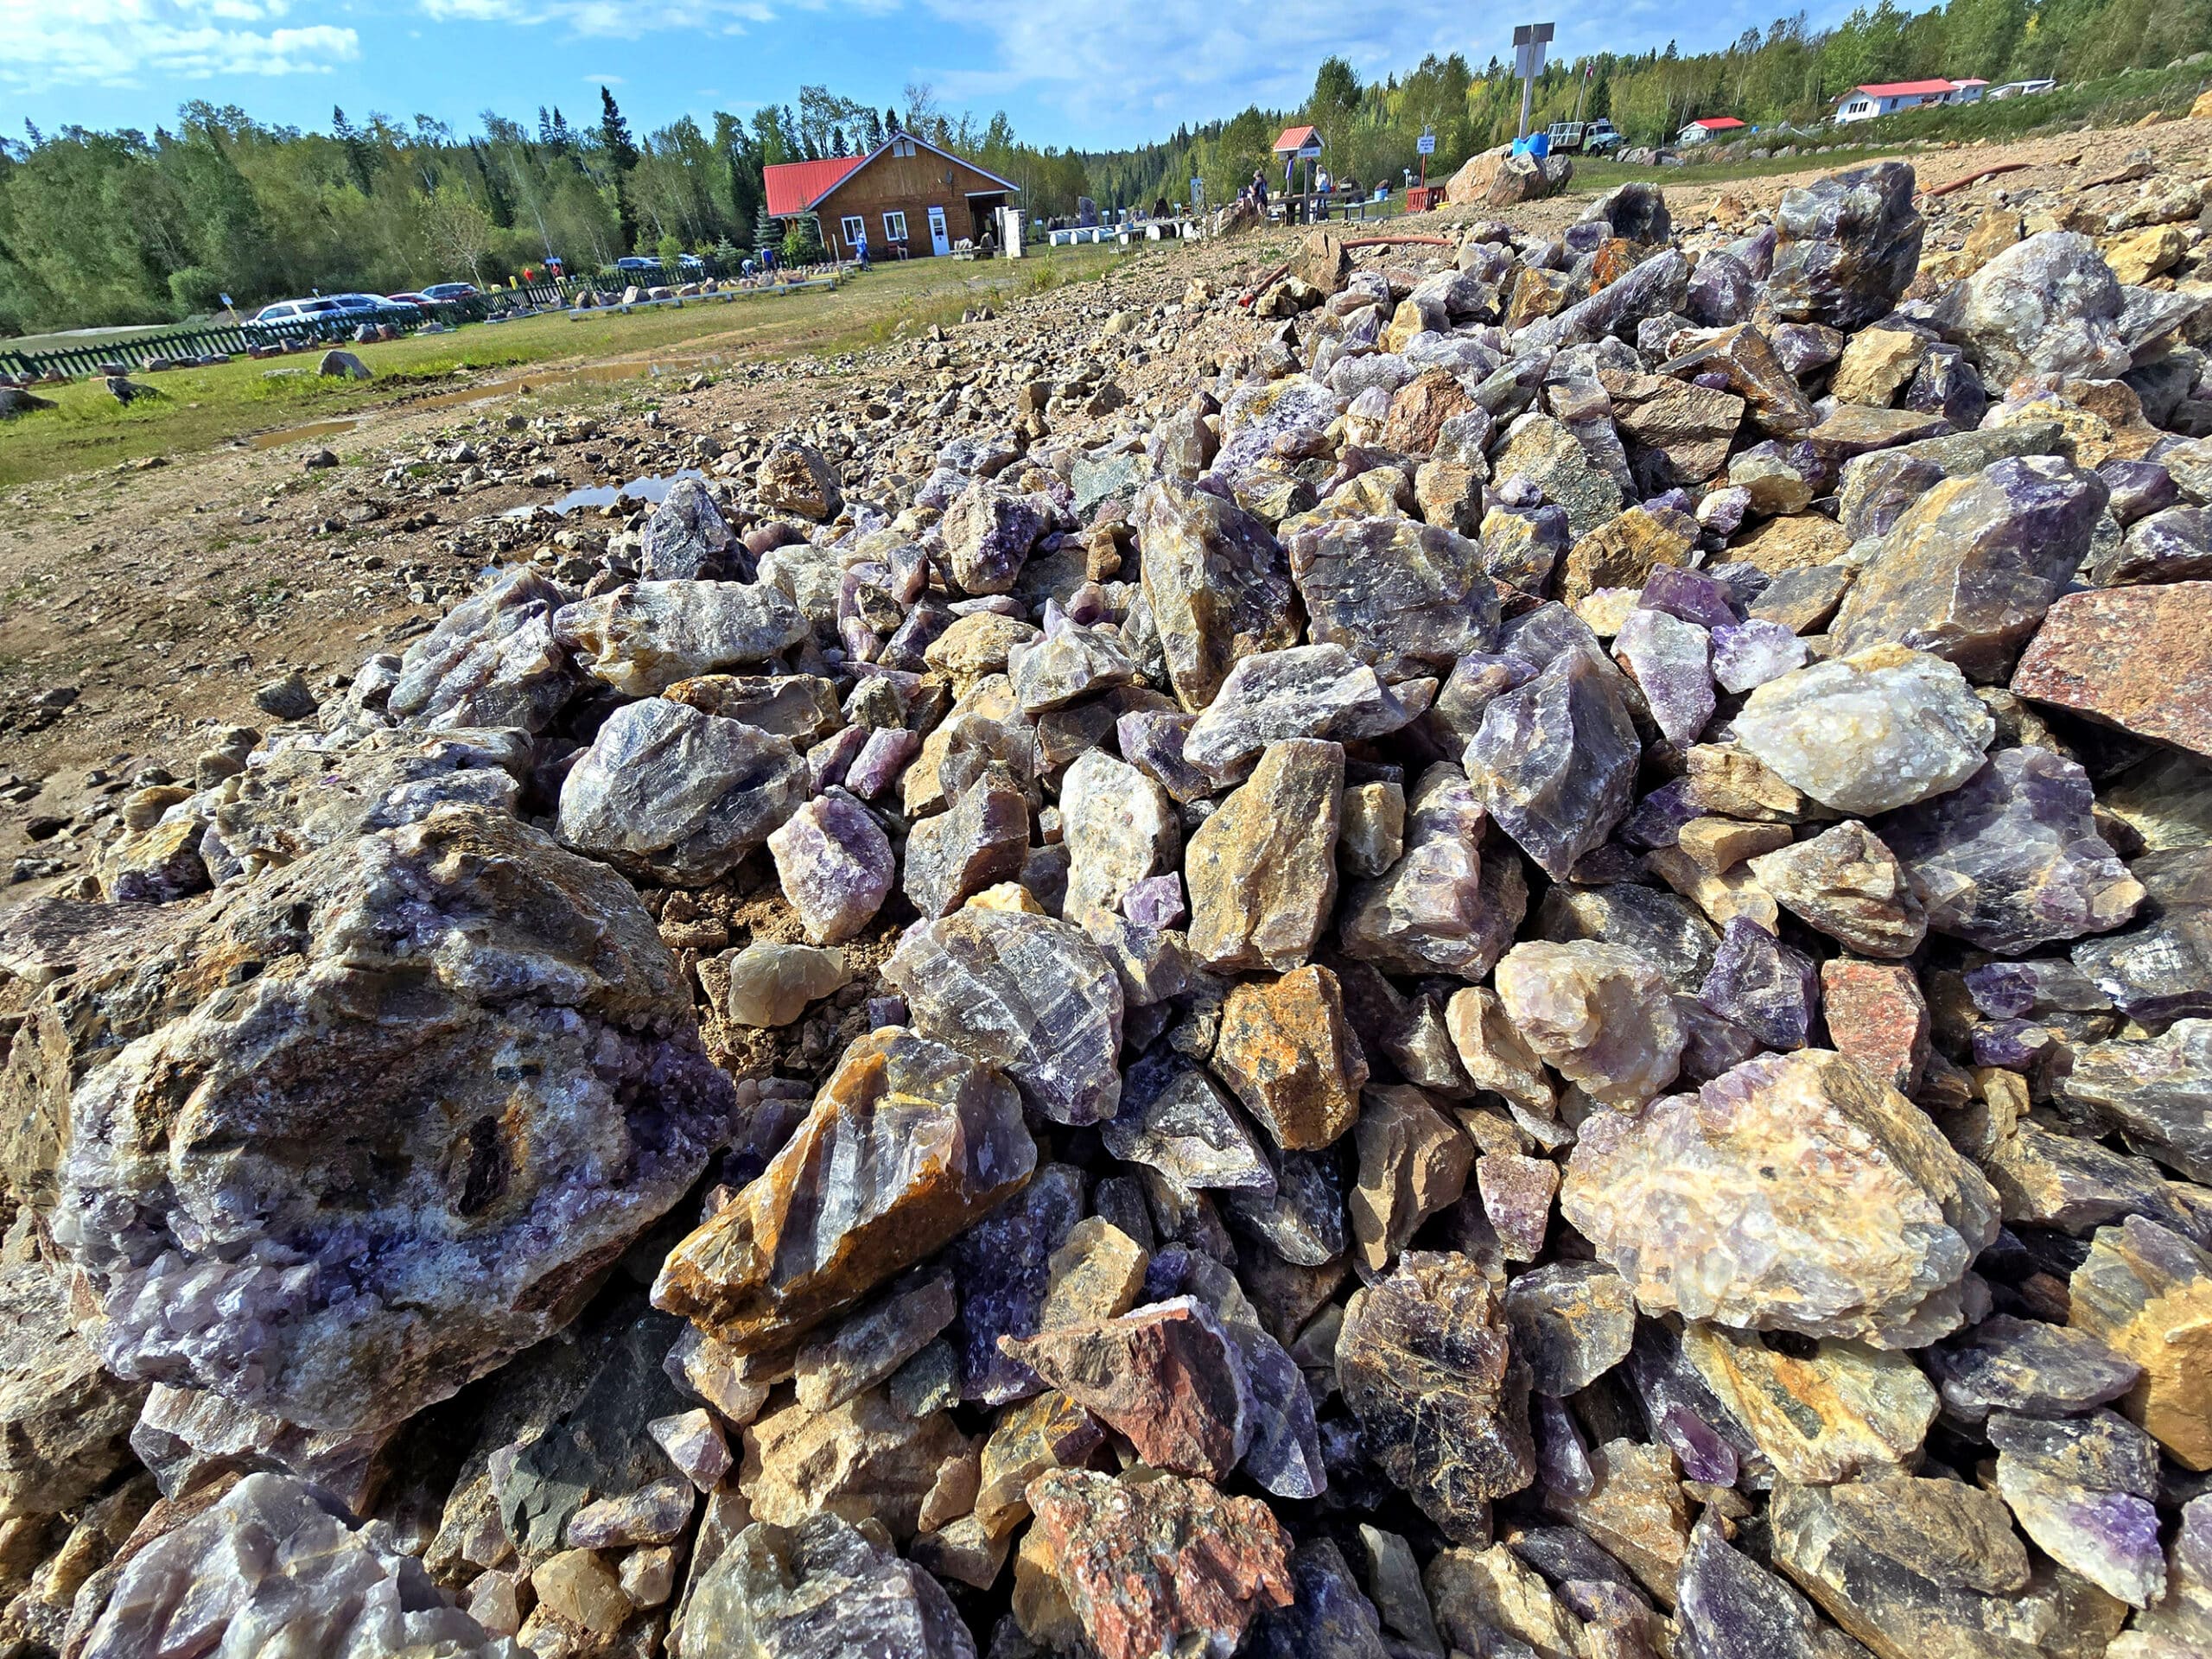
x: 894, y: 227
x: 855, y: 227
x: 902, y: 147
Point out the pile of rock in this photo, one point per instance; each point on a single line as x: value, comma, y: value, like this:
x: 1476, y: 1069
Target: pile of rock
x: 1537, y: 978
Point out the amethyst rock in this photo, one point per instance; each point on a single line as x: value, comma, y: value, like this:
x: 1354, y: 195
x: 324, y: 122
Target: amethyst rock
x: 2012, y: 859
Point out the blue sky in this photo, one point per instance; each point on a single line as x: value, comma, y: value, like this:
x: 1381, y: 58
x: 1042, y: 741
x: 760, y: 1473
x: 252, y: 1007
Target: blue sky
x: 1066, y: 72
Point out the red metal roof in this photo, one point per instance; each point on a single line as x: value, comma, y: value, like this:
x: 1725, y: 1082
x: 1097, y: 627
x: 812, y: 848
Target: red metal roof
x: 793, y: 186
x: 1295, y: 138
x: 1905, y: 88
x: 1717, y: 122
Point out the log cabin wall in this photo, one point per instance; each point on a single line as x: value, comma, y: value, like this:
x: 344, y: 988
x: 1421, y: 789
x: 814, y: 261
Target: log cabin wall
x: 911, y: 185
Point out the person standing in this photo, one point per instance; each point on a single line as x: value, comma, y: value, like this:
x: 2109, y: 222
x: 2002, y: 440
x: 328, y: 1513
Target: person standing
x: 860, y: 246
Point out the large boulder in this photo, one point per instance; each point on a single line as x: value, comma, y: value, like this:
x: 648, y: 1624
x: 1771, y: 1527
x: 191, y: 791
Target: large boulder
x: 353, y: 1135
x: 1846, y: 247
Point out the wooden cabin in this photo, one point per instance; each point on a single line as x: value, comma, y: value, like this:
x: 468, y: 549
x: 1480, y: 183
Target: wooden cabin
x: 913, y: 197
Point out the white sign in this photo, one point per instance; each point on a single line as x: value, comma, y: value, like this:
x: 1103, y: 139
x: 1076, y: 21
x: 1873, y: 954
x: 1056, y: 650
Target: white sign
x: 1426, y: 145
x: 1197, y: 191
x: 1309, y: 152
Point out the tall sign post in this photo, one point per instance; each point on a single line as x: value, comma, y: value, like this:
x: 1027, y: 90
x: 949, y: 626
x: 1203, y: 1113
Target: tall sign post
x: 1529, y: 41
x: 1428, y: 148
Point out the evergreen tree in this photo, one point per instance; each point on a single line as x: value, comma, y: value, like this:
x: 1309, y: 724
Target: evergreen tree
x: 621, y: 160
x: 360, y: 153
x: 767, y: 232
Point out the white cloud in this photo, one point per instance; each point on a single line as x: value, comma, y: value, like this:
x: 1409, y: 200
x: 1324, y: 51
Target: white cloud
x: 1130, y: 69
x: 608, y: 19
x: 121, y: 42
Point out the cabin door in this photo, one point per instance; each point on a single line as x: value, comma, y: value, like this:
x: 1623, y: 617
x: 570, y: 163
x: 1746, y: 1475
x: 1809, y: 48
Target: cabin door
x: 940, y: 244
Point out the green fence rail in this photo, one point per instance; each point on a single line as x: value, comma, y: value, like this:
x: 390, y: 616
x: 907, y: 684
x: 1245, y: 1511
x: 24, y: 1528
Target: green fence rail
x: 182, y: 346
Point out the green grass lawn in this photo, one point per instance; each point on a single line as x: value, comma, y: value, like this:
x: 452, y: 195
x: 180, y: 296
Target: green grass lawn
x: 200, y: 409
x: 1597, y: 177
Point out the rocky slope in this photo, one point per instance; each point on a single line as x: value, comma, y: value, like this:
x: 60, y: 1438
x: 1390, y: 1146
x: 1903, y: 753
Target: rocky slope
x: 1511, y: 955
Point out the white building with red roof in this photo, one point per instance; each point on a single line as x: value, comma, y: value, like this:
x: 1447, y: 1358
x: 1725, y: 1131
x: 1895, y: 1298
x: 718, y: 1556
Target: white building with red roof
x: 1888, y: 96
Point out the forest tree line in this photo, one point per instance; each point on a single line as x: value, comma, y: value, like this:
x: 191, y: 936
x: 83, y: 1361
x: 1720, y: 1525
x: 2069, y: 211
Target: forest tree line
x: 119, y: 227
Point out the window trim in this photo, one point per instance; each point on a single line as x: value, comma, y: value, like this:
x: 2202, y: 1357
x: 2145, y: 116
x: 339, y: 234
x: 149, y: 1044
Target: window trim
x: 845, y: 227
x: 898, y: 235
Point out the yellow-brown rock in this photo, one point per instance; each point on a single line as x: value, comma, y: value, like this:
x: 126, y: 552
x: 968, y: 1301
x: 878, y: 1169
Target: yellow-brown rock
x: 908, y: 1144
x: 2149, y: 252
x: 2146, y: 1293
x: 862, y: 1459
x: 1262, y: 870
x: 1049, y: 1431
x: 1413, y: 1162
x: 1792, y: 542
x: 1419, y: 409
x: 1288, y: 1052
x: 1097, y: 1274
x: 1537, y: 294
x: 1635, y: 1510
x: 1877, y: 365
x: 1473, y: 182
x: 1840, y: 1410
x: 1624, y: 552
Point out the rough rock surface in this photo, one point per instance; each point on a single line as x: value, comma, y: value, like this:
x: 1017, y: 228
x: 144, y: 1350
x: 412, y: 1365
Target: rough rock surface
x: 1508, y: 954
x: 1866, y: 1223
x: 1421, y: 1358
x: 379, y: 966
x: 920, y: 1142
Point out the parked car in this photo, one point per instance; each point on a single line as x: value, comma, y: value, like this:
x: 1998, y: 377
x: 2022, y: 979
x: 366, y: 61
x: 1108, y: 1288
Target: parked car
x: 637, y: 263
x: 447, y: 293
x: 374, y: 308
x: 418, y: 301
x: 264, y: 321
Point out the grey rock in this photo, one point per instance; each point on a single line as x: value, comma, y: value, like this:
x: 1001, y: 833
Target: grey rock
x: 1409, y: 598
x: 1846, y: 246
x: 2047, y: 305
x: 1303, y: 691
x: 1867, y: 732
x: 2012, y: 859
x: 822, y: 1587
x: 1556, y: 760
x: 668, y: 792
x: 1572, y: 1322
x: 685, y: 536
x: 1026, y: 994
x: 491, y: 661
x: 1216, y: 584
x: 323, y: 1582
x: 644, y: 638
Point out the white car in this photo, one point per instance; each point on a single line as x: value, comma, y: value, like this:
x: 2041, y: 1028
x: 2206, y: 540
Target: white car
x: 290, y: 311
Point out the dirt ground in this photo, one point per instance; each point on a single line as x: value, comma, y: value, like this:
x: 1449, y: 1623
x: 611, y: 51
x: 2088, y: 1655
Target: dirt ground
x: 139, y: 608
